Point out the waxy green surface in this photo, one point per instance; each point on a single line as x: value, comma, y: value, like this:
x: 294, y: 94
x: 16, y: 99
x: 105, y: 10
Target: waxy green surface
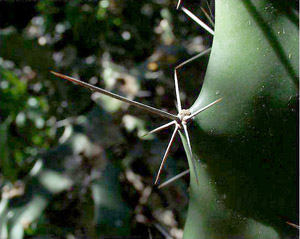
x: 246, y: 145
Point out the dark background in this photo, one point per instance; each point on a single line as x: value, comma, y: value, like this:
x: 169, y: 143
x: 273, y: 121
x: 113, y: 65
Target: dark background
x: 74, y: 164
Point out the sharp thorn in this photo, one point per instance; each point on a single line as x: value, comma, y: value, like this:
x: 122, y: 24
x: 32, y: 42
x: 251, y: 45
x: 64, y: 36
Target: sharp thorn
x: 193, y: 58
x: 197, y: 20
x: 163, y: 231
x: 293, y: 225
x: 166, y: 154
x: 208, y: 17
x: 178, y: 4
x: 150, y: 235
x: 204, y: 108
x: 173, y: 179
x: 177, y: 91
x: 210, y: 11
x: 118, y: 97
x: 161, y: 128
x: 190, y: 151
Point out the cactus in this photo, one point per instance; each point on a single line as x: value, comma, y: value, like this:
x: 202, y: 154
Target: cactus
x: 243, y: 183
x: 247, y: 144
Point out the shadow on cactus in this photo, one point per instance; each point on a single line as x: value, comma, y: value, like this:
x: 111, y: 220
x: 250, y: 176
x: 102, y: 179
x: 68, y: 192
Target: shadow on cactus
x: 245, y: 182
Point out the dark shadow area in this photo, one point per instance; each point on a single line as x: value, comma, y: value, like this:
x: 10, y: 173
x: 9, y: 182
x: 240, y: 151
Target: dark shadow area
x: 271, y: 35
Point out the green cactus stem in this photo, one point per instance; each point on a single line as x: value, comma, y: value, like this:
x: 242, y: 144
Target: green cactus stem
x: 246, y: 146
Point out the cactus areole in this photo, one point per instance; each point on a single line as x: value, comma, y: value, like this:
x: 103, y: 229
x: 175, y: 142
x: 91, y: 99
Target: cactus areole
x: 247, y: 144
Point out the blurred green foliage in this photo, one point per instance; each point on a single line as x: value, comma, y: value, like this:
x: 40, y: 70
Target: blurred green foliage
x: 25, y: 129
x: 74, y: 164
